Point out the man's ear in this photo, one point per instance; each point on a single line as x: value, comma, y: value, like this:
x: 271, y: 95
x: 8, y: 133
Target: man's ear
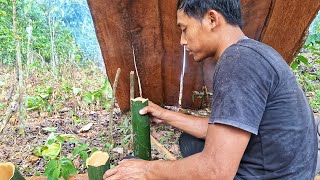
x: 213, y: 17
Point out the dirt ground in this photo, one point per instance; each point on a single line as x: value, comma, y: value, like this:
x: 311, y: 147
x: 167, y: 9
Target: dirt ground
x: 18, y: 149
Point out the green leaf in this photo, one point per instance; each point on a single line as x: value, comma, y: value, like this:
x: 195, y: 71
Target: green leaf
x: 4, y: 1
x: 303, y: 59
x: 1, y: 106
x: 60, y: 139
x: 53, y: 151
x: 68, y: 137
x: 51, y: 139
x: 93, y: 150
x: 38, y: 150
x: 294, y: 65
x: 84, y: 157
x: 51, y: 167
x: 50, y: 129
x: 77, y: 150
x: 88, y: 98
x: 67, y: 168
x: 55, y: 175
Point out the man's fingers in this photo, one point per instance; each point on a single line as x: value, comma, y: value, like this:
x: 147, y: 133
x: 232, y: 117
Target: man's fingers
x: 110, y: 172
x: 144, y: 111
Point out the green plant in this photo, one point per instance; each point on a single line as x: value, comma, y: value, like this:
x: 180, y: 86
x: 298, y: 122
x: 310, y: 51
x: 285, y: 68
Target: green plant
x: 306, y: 68
x: 102, y: 95
x: 125, y: 129
x: 2, y: 106
x: 166, y: 137
x: 41, y: 100
x: 58, y: 166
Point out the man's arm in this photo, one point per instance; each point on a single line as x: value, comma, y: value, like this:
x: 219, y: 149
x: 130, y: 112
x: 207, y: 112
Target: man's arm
x: 195, y: 126
x: 220, y: 159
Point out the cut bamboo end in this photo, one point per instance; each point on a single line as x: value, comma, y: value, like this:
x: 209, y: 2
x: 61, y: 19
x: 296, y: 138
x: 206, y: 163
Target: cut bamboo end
x: 143, y: 100
x: 98, y: 163
x: 8, y: 172
x: 98, y: 158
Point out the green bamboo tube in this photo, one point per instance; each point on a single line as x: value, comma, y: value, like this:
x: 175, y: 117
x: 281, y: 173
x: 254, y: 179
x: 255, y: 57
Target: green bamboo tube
x: 97, y: 165
x: 141, y: 129
x: 9, y: 172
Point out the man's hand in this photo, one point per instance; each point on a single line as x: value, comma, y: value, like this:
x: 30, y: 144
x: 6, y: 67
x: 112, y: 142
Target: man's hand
x: 128, y: 169
x: 155, y: 111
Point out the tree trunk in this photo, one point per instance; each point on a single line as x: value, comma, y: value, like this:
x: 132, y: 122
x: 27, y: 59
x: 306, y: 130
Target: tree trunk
x: 19, y: 66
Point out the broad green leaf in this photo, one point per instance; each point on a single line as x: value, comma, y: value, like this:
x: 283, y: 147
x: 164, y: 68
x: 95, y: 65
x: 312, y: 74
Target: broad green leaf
x: 53, y: 151
x: 51, y: 167
x: 50, y: 129
x: 67, y: 168
x: 55, y: 175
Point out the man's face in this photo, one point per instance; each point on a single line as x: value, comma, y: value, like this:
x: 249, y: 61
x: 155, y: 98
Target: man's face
x: 195, y: 36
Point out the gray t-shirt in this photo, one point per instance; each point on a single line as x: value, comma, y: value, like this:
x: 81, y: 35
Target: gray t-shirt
x: 255, y: 90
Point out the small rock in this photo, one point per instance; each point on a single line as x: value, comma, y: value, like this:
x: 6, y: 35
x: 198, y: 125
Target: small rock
x: 33, y: 159
x: 86, y: 128
x: 118, y: 150
x: 65, y: 109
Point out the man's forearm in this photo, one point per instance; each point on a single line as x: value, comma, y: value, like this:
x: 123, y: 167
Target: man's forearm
x: 193, y: 167
x: 195, y: 126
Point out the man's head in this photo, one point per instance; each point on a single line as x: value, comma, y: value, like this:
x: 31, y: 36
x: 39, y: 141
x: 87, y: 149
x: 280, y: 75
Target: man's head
x: 206, y: 23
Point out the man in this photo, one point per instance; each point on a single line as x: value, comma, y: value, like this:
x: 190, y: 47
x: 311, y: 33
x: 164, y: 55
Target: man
x: 261, y: 125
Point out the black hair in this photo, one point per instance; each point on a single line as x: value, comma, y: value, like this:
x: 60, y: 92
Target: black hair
x: 229, y: 9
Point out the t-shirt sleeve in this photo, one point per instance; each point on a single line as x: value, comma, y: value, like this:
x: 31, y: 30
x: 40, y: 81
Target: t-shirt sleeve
x: 241, y: 87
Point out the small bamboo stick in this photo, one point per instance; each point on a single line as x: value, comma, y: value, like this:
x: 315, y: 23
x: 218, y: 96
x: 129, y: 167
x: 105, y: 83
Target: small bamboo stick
x: 161, y: 148
x: 113, y: 100
x: 132, y: 85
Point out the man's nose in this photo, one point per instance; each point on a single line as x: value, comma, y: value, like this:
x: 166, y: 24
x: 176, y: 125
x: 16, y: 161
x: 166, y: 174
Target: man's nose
x: 183, y: 40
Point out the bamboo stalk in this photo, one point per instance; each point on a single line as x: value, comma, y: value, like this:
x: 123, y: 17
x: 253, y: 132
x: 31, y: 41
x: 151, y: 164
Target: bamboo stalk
x: 141, y: 129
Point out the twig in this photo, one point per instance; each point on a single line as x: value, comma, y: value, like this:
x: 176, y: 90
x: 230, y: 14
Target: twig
x: 132, y: 85
x: 10, y: 93
x: 182, y: 75
x: 161, y: 148
x: 131, y: 96
x: 12, y: 108
x: 114, y: 90
x: 135, y: 66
